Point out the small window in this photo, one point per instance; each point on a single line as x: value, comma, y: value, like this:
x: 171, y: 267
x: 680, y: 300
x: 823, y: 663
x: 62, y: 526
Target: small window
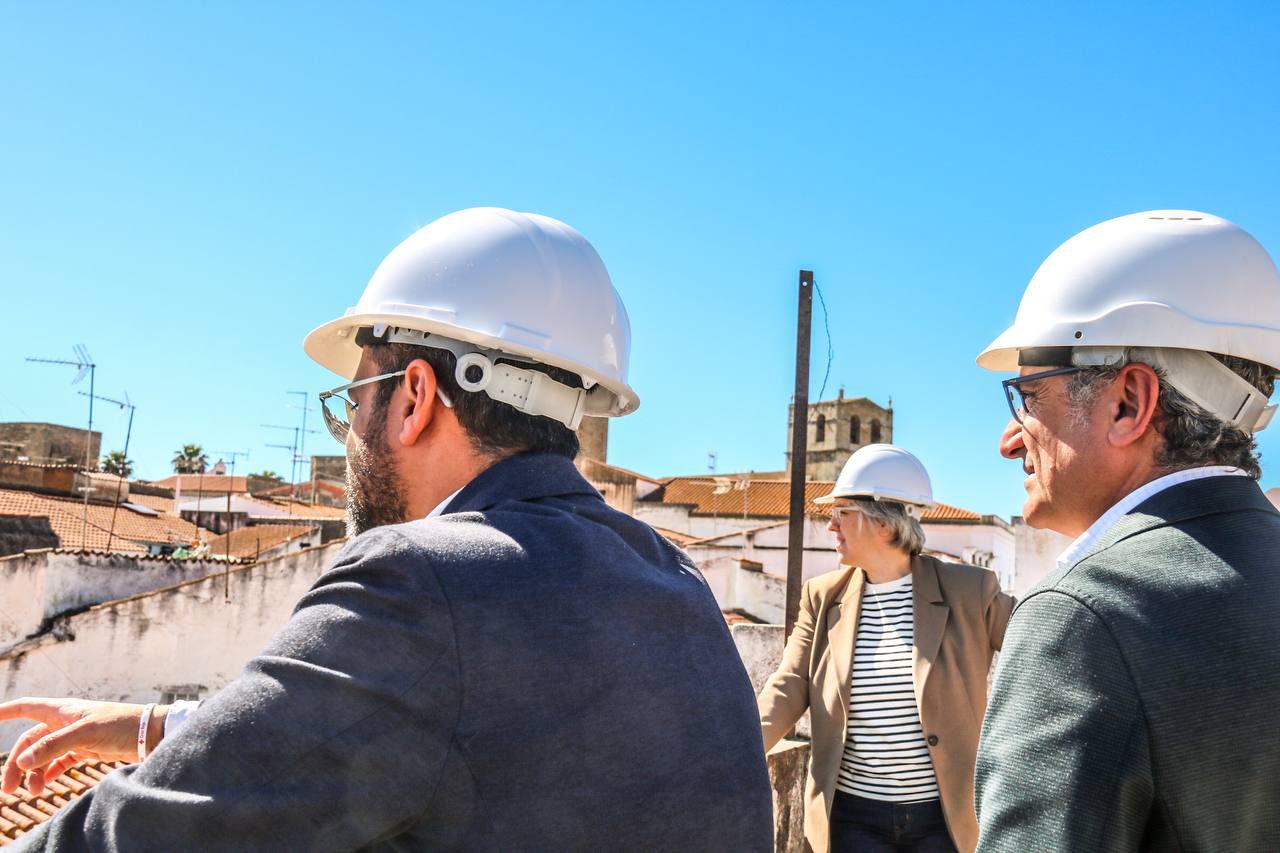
x: 855, y: 429
x: 822, y: 428
x: 184, y: 693
x: 875, y: 430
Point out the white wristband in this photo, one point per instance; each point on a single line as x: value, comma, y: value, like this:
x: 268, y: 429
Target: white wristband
x: 142, y: 731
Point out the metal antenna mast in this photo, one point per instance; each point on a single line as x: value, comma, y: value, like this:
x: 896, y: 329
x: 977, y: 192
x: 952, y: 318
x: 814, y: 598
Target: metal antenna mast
x: 302, y: 437
x: 230, y: 518
x: 83, y: 363
x: 128, y: 433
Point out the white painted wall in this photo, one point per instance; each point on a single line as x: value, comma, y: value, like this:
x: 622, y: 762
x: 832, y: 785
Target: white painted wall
x: 200, y: 633
x: 678, y: 518
x: 42, y: 584
x: 1037, y: 554
x: 987, y: 545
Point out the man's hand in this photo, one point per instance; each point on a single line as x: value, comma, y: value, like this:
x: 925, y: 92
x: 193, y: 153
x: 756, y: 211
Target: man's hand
x: 71, y: 731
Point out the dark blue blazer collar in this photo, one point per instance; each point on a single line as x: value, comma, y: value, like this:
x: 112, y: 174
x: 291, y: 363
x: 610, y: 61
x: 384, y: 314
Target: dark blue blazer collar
x: 525, y: 476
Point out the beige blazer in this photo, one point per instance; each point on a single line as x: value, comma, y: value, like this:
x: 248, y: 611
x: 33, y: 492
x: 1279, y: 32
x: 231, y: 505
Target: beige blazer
x: 960, y: 617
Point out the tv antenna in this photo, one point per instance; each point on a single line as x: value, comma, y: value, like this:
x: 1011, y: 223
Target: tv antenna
x: 234, y: 454
x: 128, y: 433
x: 83, y: 363
x: 295, y: 458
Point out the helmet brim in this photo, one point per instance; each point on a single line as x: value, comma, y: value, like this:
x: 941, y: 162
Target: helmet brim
x: 333, y: 346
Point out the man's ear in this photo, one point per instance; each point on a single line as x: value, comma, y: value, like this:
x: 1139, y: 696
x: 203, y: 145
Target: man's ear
x: 1133, y: 401
x: 421, y: 405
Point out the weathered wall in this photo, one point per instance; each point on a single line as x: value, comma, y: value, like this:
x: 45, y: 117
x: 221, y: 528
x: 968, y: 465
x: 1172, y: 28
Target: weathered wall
x: 42, y: 584
x: 329, y: 468
x: 677, y: 517
x: 198, y: 634
x: 788, y: 769
x: 593, y: 438
x: 760, y: 647
x: 60, y: 479
x: 41, y: 442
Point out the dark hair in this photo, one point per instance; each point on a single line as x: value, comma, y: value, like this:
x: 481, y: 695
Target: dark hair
x: 1192, y: 436
x: 495, y: 429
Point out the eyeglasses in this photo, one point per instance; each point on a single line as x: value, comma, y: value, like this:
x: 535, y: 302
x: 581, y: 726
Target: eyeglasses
x: 1017, y: 399
x: 338, y: 425
x: 837, y: 511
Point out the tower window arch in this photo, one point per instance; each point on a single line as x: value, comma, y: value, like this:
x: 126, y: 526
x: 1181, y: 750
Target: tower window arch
x: 822, y: 428
x: 855, y: 429
x: 875, y: 430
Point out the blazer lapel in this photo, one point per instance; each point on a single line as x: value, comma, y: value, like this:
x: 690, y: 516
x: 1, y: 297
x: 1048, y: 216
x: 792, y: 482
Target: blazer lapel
x: 842, y: 632
x: 930, y: 612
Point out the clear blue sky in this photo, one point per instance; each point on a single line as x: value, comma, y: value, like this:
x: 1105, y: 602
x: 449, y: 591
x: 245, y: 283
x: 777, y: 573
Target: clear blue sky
x: 187, y: 189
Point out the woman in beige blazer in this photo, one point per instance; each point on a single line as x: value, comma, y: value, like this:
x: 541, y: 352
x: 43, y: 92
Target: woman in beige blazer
x: 890, y: 655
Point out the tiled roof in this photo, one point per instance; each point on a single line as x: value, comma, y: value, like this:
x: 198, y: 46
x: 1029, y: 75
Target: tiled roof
x: 302, y: 509
x: 250, y: 541
x: 156, y: 502
x: 327, y: 486
x: 589, y: 466
x: 22, y: 811
x: 66, y: 517
x: 770, y: 499
x: 946, y: 512
x: 760, y: 498
x: 194, y: 483
x: 28, y: 464
x: 678, y: 539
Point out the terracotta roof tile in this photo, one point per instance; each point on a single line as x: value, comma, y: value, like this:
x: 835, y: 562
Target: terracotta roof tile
x: 194, y: 483
x: 66, y: 517
x: 22, y: 811
x: 678, y: 539
x: 770, y: 499
x: 250, y: 541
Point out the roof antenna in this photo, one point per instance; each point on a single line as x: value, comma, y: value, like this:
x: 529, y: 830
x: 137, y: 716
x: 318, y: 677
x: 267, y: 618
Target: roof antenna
x: 83, y: 364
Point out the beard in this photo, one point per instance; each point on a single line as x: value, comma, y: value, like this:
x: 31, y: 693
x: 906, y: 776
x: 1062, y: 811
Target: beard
x: 375, y: 490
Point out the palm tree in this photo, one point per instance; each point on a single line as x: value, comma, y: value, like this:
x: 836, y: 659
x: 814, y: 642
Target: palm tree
x: 190, y: 460
x: 116, y: 463
x: 268, y: 475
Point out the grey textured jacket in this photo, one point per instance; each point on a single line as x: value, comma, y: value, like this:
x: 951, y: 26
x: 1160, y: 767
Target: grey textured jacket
x: 1135, y: 705
x: 533, y: 671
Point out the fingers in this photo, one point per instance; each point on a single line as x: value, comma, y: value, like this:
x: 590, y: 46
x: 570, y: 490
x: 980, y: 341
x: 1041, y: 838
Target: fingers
x: 37, y: 779
x: 12, y: 776
x: 40, y: 710
x: 54, y: 745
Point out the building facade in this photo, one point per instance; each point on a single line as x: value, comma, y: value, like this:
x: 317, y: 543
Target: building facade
x: 836, y: 429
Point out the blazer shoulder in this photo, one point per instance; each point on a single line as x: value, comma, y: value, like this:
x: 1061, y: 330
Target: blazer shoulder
x: 824, y: 586
x: 964, y: 578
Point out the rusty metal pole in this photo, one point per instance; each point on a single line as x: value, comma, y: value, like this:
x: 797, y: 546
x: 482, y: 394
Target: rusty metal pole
x: 799, y: 448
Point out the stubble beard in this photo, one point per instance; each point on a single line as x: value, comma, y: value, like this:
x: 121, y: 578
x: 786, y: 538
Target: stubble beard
x: 375, y: 490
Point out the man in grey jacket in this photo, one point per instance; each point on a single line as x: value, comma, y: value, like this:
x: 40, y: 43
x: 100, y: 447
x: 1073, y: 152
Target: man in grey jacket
x: 497, y: 660
x: 1134, y: 703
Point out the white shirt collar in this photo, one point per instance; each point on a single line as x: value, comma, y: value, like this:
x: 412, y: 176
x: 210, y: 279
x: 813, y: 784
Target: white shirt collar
x: 440, y: 507
x: 1085, y: 541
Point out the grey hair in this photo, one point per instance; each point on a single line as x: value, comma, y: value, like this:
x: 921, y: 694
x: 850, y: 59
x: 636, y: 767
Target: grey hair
x: 907, y: 532
x: 1192, y: 436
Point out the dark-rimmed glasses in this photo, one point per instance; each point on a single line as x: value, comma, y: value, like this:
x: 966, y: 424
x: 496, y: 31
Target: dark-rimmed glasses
x: 1012, y: 389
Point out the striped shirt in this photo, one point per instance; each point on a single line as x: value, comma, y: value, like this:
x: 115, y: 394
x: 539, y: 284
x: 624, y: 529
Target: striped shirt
x: 885, y: 754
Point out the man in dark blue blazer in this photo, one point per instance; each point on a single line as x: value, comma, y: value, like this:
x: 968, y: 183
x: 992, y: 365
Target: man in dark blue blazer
x: 497, y: 660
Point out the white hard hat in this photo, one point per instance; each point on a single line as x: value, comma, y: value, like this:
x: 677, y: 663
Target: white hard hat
x: 1161, y: 287
x: 489, y: 283
x: 884, y: 472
